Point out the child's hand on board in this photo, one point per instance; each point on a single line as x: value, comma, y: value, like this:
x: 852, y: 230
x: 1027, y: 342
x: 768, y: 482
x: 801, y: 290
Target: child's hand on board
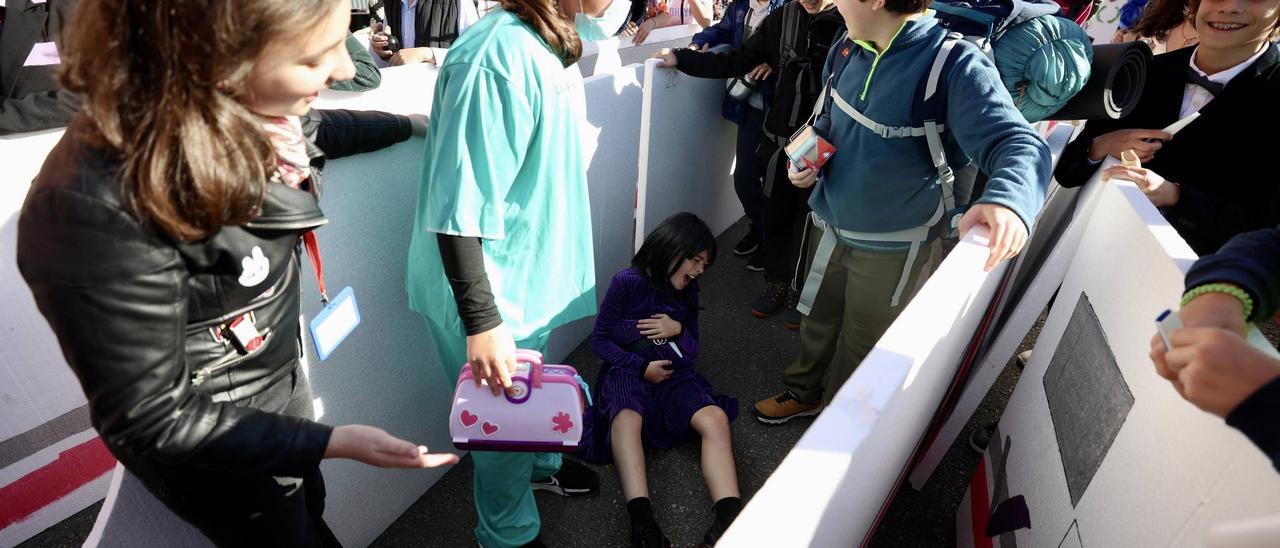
x: 660, y: 326
x: 658, y: 371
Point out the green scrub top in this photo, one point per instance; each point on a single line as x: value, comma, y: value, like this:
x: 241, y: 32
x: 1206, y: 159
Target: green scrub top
x: 505, y: 162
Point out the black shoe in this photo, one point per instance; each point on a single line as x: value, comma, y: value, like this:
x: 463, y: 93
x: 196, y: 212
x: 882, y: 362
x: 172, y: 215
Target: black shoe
x: 648, y: 535
x: 981, y: 437
x: 712, y: 537
x: 573, y: 479
x: 770, y: 301
x: 756, y: 264
x: 748, y: 244
x: 791, y: 317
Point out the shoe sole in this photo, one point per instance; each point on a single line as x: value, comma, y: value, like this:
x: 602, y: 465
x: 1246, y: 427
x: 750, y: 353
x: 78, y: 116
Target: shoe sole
x: 747, y: 252
x: 755, y: 268
x: 791, y: 326
x: 761, y: 315
x: 782, y: 420
x: 560, y: 491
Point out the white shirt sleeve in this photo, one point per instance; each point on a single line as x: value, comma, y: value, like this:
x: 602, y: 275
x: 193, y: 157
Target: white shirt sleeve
x: 467, y: 16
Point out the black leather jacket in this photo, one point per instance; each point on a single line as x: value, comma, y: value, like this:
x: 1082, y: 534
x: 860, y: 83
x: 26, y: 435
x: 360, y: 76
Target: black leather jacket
x: 136, y: 313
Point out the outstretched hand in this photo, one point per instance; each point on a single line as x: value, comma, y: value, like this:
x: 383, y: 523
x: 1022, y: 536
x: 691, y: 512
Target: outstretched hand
x: 1008, y: 234
x: 667, y: 56
x: 374, y: 446
x: 1161, y: 192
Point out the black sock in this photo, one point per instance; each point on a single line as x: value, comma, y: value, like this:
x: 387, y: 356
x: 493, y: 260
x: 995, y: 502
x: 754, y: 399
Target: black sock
x: 727, y: 510
x: 641, y: 511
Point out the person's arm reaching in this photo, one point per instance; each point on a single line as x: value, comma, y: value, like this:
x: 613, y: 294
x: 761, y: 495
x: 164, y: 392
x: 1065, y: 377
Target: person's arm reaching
x: 756, y: 49
x: 37, y: 111
x: 991, y: 130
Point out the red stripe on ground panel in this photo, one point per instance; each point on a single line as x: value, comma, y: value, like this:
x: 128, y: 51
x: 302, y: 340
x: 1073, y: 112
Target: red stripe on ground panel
x: 73, y: 468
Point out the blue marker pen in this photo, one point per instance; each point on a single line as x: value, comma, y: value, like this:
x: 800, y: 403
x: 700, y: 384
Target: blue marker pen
x: 1166, y: 323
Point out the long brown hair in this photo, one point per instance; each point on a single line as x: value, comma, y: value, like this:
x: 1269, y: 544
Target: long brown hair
x: 159, y: 80
x: 544, y: 17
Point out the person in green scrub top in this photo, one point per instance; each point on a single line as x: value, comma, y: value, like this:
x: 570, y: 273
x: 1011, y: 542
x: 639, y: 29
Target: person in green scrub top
x: 501, y: 252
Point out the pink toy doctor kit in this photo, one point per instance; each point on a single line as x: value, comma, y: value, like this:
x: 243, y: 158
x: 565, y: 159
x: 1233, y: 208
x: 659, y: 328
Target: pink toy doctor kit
x: 542, y: 412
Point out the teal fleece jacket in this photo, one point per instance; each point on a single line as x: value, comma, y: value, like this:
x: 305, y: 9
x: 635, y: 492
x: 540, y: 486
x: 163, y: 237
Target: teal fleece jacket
x: 872, y: 184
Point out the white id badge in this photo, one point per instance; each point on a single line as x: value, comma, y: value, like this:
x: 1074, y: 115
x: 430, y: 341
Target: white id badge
x: 338, y: 319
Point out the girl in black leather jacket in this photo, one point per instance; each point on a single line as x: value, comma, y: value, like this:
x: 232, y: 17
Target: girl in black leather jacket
x: 170, y: 212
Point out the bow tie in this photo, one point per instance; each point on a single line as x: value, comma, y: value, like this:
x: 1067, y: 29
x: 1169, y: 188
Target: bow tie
x: 1194, y: 77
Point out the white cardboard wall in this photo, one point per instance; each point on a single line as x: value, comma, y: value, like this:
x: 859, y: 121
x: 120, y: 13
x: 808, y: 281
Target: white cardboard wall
x: 617, y: 52
x: 1171, y: 470
x: 686, y: 152
x: 831, y: 487
x: 1057, y: 235
x: 613, y: 120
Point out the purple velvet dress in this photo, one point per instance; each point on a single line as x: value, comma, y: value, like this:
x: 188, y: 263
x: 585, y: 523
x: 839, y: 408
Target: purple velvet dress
x: 667, y: 407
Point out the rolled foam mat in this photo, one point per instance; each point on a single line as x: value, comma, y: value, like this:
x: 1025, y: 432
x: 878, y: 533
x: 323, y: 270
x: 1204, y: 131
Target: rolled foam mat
x: 1113, y: 90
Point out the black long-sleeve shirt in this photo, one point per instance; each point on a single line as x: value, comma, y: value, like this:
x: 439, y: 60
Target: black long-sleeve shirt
x: 463, y: 258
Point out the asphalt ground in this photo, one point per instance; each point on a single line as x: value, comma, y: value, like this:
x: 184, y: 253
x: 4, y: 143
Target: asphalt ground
x: 742, y: 356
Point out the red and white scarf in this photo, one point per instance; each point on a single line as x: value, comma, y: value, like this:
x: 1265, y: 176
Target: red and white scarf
x: 293, y: 166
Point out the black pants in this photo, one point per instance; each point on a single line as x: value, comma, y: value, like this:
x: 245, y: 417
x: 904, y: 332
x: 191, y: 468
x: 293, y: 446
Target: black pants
x: 748, y: 168
x: 255, y: 509
x: 786, y: 211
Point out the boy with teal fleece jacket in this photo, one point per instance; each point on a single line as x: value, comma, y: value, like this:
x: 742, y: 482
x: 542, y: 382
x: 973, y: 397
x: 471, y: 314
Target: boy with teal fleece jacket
x: 875, y: 185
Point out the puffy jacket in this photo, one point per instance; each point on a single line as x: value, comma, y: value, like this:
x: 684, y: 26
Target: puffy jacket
x: 728, y: 31
x: 137, y: 314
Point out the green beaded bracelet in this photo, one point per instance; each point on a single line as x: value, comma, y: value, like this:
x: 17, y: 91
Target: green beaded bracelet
x: 1229, y: 289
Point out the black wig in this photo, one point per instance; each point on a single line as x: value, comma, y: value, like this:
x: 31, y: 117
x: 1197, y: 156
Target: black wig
x: 678, y: 237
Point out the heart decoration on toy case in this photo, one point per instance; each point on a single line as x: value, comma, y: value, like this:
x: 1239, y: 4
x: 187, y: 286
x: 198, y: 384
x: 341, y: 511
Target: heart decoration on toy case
x: 467, y: 419
x: 489, y: 428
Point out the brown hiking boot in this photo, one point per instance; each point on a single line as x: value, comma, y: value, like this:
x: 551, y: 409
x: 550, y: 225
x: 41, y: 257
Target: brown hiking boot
x: 784, y: 407
x: 770, y: 301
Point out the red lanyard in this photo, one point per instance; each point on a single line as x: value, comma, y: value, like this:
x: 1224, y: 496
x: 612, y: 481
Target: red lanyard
x: 313, y: 253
